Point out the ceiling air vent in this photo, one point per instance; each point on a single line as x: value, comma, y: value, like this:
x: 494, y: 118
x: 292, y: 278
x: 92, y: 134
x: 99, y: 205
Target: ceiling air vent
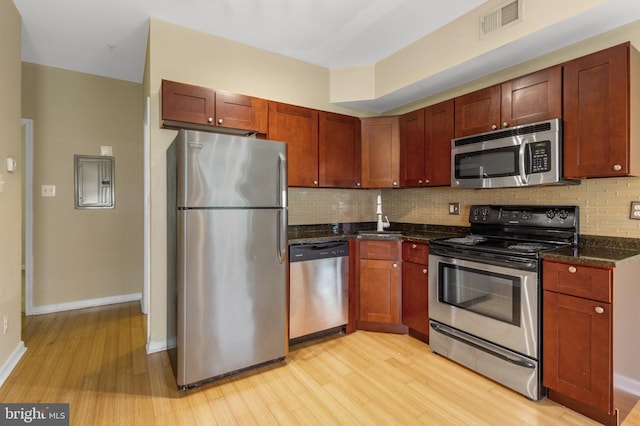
x: 508, y: 13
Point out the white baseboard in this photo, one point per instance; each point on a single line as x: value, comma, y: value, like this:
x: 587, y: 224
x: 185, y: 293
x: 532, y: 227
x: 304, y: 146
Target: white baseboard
x: 161, y: 345
x: 11, y: 362
x: 626, y: 384
x: 89, y: 303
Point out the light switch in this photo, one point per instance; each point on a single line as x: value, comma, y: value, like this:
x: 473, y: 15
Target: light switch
x: 48, y: 190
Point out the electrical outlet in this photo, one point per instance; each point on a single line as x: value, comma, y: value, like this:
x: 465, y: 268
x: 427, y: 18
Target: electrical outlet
x: 454, y: 208
x: 634, y: 213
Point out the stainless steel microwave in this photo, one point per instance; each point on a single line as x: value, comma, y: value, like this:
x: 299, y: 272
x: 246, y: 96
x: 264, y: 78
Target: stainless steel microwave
x: 519, y: 156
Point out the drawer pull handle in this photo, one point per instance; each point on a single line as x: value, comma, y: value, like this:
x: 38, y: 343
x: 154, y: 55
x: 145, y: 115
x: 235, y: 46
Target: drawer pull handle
x: 599, y: 309
x: 572, y: 269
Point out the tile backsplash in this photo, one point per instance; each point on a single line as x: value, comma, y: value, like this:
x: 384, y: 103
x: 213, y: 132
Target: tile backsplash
x: 604, y: 204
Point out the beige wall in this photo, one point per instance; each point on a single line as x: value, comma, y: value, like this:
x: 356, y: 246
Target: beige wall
x: 447, y: 47
x: 81, y: 255
x: 180, y: 54
x: 11, y: 194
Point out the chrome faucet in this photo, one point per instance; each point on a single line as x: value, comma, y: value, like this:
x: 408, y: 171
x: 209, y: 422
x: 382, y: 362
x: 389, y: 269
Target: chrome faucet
x: 381, y: 224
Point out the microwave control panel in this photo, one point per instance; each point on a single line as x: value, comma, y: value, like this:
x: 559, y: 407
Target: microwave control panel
x: 540, y: 155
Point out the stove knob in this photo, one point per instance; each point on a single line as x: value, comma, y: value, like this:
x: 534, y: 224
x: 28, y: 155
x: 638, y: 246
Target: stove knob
x: 551, y: 214
x: 564, y: 214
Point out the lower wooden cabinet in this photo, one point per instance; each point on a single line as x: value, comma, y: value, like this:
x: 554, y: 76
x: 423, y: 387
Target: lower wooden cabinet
x: 577, y: 349
x: 578, y: 338
x: 415, y: 289
x: 379, y: 286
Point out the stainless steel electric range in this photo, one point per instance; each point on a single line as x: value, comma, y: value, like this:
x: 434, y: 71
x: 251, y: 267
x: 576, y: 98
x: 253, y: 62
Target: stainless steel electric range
x: 485, y: 291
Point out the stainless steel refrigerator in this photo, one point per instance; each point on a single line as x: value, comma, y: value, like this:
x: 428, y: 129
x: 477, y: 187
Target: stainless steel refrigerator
x: 230, y: 221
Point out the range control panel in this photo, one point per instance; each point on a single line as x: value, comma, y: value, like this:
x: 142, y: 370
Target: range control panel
x: 534, y: 216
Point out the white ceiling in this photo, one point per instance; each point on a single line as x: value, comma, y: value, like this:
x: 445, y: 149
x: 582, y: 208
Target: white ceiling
x: 109, y: 38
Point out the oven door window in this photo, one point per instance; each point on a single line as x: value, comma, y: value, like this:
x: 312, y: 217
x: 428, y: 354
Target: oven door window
x: 498, y: 162
x: 486, y: 293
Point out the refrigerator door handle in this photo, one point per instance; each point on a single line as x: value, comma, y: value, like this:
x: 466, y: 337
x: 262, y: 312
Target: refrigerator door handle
x: 282, y: 214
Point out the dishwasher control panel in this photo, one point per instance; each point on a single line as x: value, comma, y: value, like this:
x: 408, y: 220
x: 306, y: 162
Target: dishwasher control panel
x: 302, y: 252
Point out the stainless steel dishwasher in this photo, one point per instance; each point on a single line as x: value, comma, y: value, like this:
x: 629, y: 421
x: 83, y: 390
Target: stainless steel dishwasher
x: 319, y: 277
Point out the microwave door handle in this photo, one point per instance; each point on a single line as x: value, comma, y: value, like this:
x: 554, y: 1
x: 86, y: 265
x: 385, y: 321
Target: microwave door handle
x: 522, y: 153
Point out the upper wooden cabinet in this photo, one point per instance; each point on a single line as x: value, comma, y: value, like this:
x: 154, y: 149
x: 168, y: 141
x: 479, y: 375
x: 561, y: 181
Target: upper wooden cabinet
x: 600, y: 138
x: 425, y: 146
x: 186, y: 103
x: 477, y: 112
x: 527, y: 99
x: 381, y: 152
x: 241, y: 112
x: 339, y: 151
x: 298, y: 127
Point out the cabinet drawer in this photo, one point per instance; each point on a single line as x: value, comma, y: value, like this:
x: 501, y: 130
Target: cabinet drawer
x: 382, y: 250
x: 578, y: 280
x: 415, y: 252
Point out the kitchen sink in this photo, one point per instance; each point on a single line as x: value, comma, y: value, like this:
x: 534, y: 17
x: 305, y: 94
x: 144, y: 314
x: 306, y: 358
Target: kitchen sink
x: 383, y: 234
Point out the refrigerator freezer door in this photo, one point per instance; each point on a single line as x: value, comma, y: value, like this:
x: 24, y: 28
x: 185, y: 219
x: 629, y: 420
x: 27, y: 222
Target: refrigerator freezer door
x: 217, y: 170
x: 231, y: 292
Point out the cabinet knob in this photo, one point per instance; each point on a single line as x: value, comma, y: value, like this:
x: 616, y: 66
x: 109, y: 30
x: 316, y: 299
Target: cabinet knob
x: 210, y: 119
x: 572, y: 269
x: 505, y: 124
x: 420, y: 181
x: 413, y: 246
x: 599, y: 309
x: 395, y: 183
x: 426, y: 181
x: 219, y: 120
x: 395, y: 265
x: 493, y: 127
x: 315, y: 182
x: 358, y: 184
x: 424, y: 271
x: 617, y: 167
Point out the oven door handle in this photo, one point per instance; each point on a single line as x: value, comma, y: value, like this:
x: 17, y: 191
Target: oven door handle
x: 521, y: 362
x: 449, y: 256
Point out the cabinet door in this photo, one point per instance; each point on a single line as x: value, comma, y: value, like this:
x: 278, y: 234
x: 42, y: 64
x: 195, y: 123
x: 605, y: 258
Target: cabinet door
x: 380, y: 291
x: 380, y: 152
x: 577, y: 347
x: 596, y: 114
x: 298, y: 127
x: 412, y: 149
x: 477, y: 112
x: 241, y: 112
x: 339, y: 151
x: 533, y: 97
x: 415, y: 301
x: 439, y: 130
x: 187, y: 103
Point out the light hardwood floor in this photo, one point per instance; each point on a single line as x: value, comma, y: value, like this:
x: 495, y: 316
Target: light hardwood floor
x: 95, y: 360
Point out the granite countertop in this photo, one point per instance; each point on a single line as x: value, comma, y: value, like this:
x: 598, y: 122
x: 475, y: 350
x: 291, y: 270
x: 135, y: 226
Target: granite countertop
x: 591, y: 251
x: 597, y: 251
x: 307, y: 234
